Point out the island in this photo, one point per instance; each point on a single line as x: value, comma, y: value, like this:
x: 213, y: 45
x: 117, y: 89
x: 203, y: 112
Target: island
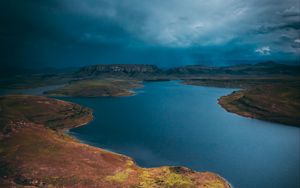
x: 97, y: 88
x: 36, y: 151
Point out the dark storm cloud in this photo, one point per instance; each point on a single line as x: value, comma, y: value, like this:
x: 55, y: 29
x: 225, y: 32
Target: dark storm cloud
x: 76, y: 32
x: 46, y: 32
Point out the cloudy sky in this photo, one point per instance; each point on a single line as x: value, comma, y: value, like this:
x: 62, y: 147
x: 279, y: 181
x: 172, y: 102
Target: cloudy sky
x: 65, y: 33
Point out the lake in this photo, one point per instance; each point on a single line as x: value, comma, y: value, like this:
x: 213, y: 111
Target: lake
x: 167, y: 123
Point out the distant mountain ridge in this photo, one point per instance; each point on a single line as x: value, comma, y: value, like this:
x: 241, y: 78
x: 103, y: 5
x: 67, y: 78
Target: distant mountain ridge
x: 132, y: 70
x: 264, y: 68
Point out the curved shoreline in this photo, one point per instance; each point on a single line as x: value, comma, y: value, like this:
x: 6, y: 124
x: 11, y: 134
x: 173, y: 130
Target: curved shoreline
x: 86, y: 123
x: 43, y: 138
x: 276, y: 101
x: 264, y: 103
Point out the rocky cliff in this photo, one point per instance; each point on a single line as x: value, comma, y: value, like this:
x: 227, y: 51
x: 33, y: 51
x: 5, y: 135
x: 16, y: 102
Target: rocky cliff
x: 126, y: 69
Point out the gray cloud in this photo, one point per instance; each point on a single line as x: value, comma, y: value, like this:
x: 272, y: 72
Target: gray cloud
x: 179, y: 23
x: 53, y: 30
x: 265, y: 50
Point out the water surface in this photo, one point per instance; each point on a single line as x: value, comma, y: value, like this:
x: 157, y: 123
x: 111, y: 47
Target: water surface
x: 167, y: 123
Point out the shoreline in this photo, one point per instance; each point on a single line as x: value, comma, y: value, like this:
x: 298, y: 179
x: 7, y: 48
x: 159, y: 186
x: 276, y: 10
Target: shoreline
x: 244, y: 103
x: 270, y: 102
x: 116, y: 153
x: 92, y: 166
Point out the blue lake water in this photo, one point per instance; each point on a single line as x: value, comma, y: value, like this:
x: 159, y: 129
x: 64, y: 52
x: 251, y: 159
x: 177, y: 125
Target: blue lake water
x: 167, y: 123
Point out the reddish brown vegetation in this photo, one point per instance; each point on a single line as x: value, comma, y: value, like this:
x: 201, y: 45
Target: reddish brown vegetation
x: 34, y: 151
